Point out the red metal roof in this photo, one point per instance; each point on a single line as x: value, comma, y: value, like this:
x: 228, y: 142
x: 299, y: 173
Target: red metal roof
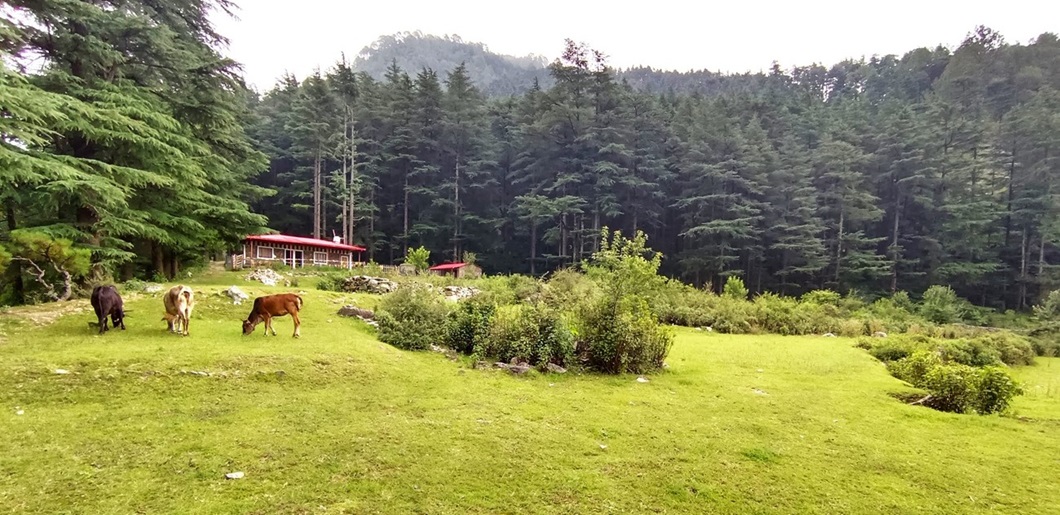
x: 448, y: 266
x: 298, y: 240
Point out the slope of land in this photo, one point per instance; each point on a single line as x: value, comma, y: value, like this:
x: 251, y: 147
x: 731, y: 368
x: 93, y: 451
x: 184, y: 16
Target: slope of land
x: 146, y: 421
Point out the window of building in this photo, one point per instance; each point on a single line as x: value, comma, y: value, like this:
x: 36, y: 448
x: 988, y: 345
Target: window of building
x: 320, y: 258
x: 266, y: 253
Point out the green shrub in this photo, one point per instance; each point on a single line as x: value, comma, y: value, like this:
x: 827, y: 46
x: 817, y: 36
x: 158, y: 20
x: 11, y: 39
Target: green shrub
x: 1012, y: 349
x: 419, y: 258
x: 619, y: 336
x: 533, y: 333
x: 734, y: 288
x: 469, y: 325
x: 996, y: 390
x: 330, y: 282
x: 412, y: 318
x: 953, y: 387
x: 822, y: 297
x: 915, y: 368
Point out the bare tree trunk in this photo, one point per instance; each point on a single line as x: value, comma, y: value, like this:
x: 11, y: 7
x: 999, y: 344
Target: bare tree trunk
x: 371, y: 225
x: 456, y: 212
x: 316, y: 196
x: 839, y: 246
x: 18, y: 287
x: 1022, y: 302
x: 345, y: 184
x: 405, y: 233
x: 894, y: 246
x: 533, y: 248
x: 353, y: 184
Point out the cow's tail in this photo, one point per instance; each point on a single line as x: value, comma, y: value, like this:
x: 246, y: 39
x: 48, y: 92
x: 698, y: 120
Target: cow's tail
x: 187, y: 295
x: 299, y: 297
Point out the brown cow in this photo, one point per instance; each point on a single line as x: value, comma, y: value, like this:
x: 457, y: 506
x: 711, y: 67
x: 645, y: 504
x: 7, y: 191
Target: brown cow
x: 178, y: 301
x: 273, y: 306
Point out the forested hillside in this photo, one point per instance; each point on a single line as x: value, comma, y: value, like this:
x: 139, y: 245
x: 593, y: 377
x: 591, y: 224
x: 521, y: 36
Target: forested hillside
x: 494, y: 74
x: 122, y: 143
x: 892, y: 173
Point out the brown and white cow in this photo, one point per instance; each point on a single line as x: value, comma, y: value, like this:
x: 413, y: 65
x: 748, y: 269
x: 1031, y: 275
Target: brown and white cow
x: 178, y: 301
x: 273, y: 306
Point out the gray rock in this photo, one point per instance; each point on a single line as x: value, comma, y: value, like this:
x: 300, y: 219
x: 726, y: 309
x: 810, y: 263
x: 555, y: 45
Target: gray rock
x: 556, y: 369
x: 879, y: 334
x: 237, y: 295
x: 234, y: 475
x: 367, y: 284
x: 642, y: 379
x: 152, y: 288
x: 354, y: 311
x: 266, y: 276
x: 829, y: 335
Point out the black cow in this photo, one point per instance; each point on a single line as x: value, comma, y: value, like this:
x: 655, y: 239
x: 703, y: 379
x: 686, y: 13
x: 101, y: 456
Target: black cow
x: 107, y: 302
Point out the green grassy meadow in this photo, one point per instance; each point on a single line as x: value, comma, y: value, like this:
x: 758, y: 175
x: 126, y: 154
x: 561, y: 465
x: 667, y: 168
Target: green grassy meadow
x: 338, y: 422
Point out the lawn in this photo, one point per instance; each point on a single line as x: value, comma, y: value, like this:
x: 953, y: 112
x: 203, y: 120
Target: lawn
x: 150, y: 422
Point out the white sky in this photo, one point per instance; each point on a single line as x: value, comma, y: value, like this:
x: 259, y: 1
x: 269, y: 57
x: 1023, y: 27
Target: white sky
x: 274, y: 36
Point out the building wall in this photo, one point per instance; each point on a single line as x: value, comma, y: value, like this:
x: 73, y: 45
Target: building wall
x: 260, y: 253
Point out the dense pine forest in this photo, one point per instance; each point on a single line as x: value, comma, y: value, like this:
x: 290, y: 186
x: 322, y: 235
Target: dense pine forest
x: 129, y: 145
x: 891, y: 173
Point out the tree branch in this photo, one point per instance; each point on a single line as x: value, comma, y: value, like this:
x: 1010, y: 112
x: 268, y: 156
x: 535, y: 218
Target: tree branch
x: 40, y: 276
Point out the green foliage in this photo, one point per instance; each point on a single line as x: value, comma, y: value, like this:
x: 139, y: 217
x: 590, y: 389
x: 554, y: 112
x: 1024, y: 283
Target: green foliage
x: 620, y: 336
x: 412, y: 318
x: 52, y: 264
x: 469, y: 325
x: 419, y: 257
x: 915, y: 367
x: 734, y: 288
x: 330, y: 282
x: 532, y: 333
x: 982, y: 350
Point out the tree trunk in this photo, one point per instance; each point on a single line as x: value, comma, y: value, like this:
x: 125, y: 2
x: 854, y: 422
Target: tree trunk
x: 345, y: 185
x: 18, y: 287
x: 456, y: 212
x: 894, y: 246
x: 405, y: 231
x: 533, y: 248
x: 316, y: 196
x: 1022, y: 301
x: 353, y: 185
x: 371, y: 225
x: 1008, y: 207
x: 839, y: 246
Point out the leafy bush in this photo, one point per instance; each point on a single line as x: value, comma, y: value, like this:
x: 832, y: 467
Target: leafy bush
x: 957, y: 387
x: 534, y: 333
x: 411, y: 318
x: 734, y: 288
x: 941, y: 305
x: 330, y: 282
x: 914, y: 368
x: 822, y: 297
x: 419, y: 258
x: 1011, y: 348
x: 618, y: 331
x: 623, y: 336
x: 469, y: 325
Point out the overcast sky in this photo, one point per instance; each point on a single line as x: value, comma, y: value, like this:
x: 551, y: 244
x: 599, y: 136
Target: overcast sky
x: 273, y: 36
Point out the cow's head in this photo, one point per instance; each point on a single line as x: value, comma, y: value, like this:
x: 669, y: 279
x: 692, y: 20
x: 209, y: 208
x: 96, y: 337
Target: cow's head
x: 249, y: 325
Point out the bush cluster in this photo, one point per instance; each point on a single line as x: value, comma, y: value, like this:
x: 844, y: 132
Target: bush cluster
x: 996, y: 348
x: 531, y: 333
x: 412, y: 318
x: 957, y: 387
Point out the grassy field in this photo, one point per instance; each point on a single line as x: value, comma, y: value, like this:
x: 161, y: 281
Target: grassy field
x: 150, y: 422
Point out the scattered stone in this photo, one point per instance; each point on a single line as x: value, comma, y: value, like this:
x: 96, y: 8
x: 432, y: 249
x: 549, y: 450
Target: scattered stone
x: 642, y: 379
x: 515, y: 367
x: 829, y: 335
x: 353, y: 311
x: 554, y: 368
x: 482, y: 365
x: 20, y: 412
x: 368, y: 284
x: 759, y: 371
x: 152, y: 288
x: 234, y: 475
x: 199, y: 373
x: 758, y: 392
x: 266, y: 276
x: 710, y: 329
x: 603, y: 446
x: 61, y: 371
x: 699, y: 328
x: 237, y: 295
x: 879, y: 334
x: 456, y: 293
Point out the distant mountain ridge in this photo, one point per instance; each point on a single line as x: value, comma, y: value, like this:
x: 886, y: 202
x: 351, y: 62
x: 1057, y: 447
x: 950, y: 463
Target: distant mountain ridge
x: 494, y: 74
x: 501, y: 75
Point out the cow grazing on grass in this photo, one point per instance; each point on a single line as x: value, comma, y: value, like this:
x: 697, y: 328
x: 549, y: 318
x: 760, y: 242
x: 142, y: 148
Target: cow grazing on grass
x: 178, y: 301
x: 106, y: 301
x: 273, y: 306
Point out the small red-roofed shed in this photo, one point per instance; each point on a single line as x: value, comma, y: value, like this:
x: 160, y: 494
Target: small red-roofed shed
x: 448, y: 268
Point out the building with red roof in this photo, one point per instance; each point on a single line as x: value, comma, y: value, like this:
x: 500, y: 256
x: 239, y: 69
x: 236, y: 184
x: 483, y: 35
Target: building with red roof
x: 298, y: 252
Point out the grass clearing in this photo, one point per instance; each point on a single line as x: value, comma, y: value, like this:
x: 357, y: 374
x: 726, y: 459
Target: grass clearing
x: 339, y: 421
